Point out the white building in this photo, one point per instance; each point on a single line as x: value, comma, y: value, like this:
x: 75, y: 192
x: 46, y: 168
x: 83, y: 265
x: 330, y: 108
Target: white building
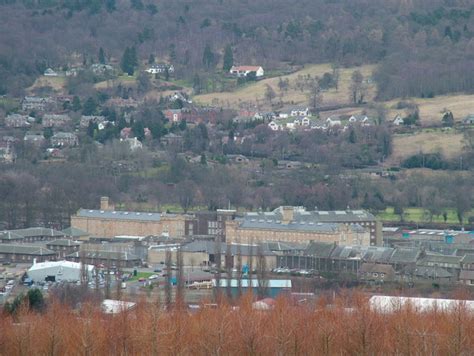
x: 388, y: 304
x: 111, y: 306
x: 243, y: 71
x: 59, y: 271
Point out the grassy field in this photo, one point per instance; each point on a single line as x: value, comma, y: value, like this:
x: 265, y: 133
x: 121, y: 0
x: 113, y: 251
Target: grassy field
x: 9, y: 104
x: 449, y: 143
x: 253, y: 94
x: 57, y: 83
x: 431, y: 110
x: 419, y: 215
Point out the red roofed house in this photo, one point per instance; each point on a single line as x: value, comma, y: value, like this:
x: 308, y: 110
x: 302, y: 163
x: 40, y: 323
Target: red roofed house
x: 243, y: 71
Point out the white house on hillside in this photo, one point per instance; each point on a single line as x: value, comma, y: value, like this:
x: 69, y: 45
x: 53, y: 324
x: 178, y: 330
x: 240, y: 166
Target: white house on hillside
x: 243, y: 71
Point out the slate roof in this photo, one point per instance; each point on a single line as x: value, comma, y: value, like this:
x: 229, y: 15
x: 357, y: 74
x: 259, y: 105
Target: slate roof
x: 209, y: 247
x: 430, y: 258
x: 431, y: 272
x: 63, y: 242
x: 37, y: 231
x: 10, y: 235
x: 469, y: 258
x: 119, y: 215
x: 25, y: 250
x: 376, y: 267
x: 276, y: 224
x: 107, y: 255
x: 74, y: 232
x: 405, y: 255
x: 319, y: 249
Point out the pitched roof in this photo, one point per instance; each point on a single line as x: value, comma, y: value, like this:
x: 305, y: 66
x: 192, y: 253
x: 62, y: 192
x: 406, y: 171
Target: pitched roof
x: 468, y: 258
x: 405, y: 255
x: 465, y: 274
x: 63, y: 242
x: 10, y: 235
x: 377, y: 268
x: 74, y: 232
x: 107, y: 255
x: 119, y: 215
x: 37, y: 231
x: 319, y: 249
x: 25, y: 250
x: 431, y: 272
x: 246, y: 68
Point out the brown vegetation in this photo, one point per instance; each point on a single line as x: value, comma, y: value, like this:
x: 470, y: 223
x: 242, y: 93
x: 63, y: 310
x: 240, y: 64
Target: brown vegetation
x: 286, y: 330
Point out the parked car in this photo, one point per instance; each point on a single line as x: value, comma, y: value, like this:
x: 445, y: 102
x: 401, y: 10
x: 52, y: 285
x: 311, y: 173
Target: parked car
x: 153, y: 276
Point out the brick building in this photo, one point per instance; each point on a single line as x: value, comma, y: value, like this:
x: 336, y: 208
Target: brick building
x: 107, y: 222
x: 63, y: 247
x: 296, y: 224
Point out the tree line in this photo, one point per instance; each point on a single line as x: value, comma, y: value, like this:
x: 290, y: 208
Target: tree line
x: 344, y: 325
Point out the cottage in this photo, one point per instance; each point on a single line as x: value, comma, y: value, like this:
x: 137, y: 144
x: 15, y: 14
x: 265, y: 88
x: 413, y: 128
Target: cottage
x: 160, y: 68
x: 299, y: 111
x: 86, y: 119
x: 171, y: 139
x: 244, y: 71
x: 398, y: 120
x: 333, y: 121
x: 174, y: 115
x: 64, y: 139
x: 50, y: 73
x: 360, y: 119
x: 134, y: 143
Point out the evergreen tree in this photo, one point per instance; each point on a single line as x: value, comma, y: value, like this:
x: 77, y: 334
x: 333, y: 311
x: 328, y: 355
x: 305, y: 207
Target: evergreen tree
x: 101, y: 56
x: 228, y: 58
x: 151, y: 59
x: 208, y: 57
x: 129, y: 60
x: 90, y: 107
x: 197, y: 87
x: 76, y: 103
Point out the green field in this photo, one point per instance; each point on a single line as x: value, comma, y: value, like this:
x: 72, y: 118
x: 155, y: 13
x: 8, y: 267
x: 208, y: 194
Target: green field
x: 421, y: 215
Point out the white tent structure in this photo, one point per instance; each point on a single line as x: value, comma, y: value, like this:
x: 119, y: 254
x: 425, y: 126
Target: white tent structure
x: 59, y: 271
x: 388, y: 304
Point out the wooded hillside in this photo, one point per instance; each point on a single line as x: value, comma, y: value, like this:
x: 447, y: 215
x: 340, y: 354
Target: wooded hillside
x: 423, y: 47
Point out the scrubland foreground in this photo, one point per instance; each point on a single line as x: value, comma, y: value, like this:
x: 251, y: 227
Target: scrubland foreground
x: 347, y: 326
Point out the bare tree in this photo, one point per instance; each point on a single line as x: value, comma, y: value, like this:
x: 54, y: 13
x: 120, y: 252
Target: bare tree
x: 261, y: 272
x: 315, y: 97
x: 357, y: 88
x: 168, y: 290
x: 179, y: 300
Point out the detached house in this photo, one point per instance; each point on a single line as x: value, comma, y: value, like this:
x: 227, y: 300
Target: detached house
x: 243, y: 71
x: 64, y: 139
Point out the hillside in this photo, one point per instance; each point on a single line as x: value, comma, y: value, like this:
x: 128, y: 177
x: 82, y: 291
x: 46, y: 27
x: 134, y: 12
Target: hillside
x: 253, y: 94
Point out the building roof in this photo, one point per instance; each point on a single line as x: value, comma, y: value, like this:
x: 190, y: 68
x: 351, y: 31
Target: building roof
x: 10, y: 235
x: 50, y: 264
x: 405, y: 255
x: 389, y: 304
x: 266, y: 223
x: 431, y: 272
x: 431, y: 258
x: 319, y: 249
x: 25, y: 250
x: 37, y: 231
x: 63, y: 242
x: 119, y: 215
x: 254, y: 283
x: 110, y: 306
x: 210, y: 247
x: 75, y: 232
x: 468, y: 258
x: 246, y: 68
x: 376, y: 268
x: 105, y: 255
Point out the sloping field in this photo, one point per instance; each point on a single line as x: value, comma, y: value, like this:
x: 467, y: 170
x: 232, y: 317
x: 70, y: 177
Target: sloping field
x: 253, y: 94
x: 57, y: 83
x: 431, y: 110
x: 447, y: 143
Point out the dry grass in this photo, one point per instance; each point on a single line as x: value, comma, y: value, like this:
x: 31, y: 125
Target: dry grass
x: 448, y: 143
x: 431, y: 110
x: 253, y: 94
x: 57, y: 83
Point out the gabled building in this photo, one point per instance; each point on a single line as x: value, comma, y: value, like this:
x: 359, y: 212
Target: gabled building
x: 25, y: 253
x: 64, y: 139
x: 54, y: 120
x: 18, y: 121
x: 244, y: 71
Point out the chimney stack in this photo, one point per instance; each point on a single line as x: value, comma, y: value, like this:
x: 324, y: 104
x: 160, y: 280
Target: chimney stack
x: 287, y: 214
x: 105, y: 204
